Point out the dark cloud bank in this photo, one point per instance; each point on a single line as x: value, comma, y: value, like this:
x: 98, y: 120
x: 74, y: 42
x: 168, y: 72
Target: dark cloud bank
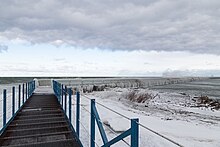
x: 180, y: 25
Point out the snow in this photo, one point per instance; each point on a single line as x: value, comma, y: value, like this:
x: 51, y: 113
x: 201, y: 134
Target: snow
x: 44, y: 89
x: 168, y: 115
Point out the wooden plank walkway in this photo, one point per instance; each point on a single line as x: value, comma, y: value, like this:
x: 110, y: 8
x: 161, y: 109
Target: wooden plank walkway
x: 40, y: 123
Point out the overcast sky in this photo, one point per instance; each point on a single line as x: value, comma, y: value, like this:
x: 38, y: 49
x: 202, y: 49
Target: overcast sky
x: 109, y: 38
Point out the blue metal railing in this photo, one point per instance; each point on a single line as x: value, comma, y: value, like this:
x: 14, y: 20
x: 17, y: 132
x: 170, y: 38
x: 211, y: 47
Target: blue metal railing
x: 61, y: 92
x: 26, y: 92
x: 133, y: 131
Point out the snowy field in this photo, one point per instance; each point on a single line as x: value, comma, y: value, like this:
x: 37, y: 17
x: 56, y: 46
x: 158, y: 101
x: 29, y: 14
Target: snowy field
x: 169, y: 111
x: 167, y: 114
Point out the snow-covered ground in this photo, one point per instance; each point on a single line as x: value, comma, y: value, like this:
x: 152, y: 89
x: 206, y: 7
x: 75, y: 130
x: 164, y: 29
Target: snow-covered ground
x: 169, y: 114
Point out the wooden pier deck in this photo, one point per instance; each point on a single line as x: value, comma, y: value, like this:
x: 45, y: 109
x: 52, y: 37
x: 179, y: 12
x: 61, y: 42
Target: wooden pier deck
x: 40, y: 123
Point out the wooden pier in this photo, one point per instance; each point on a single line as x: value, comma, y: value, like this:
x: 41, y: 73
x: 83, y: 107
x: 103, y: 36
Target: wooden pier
x: 40, y: 122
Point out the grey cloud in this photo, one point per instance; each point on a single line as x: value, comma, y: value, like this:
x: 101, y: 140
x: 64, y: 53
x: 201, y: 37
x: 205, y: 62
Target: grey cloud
x: 161, y: 25
x: 3, y: 48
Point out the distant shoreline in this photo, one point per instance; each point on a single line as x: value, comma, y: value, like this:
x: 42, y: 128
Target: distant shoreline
x: 9, y: 80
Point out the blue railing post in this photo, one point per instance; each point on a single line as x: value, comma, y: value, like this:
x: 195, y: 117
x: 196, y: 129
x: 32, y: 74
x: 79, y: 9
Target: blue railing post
x: 13, y: 101
x: 23, y: 94
x: 134, y: 133
x: 59, y: 92
x: 77, y: 112
x: 19, y: 96
x: 54, y: 87
x: 62, y: 95
x: 70, y: 104
x: 65, y: 99
x: 26, y: 91
x: 4, y: 107
x: 29, y: 89
x: 34, y: 86
x: 92, y: 123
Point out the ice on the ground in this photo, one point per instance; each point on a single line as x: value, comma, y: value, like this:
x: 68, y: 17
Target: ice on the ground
x: 167, y: 114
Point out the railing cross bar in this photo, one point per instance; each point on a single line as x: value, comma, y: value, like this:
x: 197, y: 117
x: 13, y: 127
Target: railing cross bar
x: 118, y: 138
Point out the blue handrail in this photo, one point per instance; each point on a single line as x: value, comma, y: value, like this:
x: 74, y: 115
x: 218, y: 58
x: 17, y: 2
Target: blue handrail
x: 26, y: 92
x: 133, y: 131
x: 78, y: 111
x: 61, y: 93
